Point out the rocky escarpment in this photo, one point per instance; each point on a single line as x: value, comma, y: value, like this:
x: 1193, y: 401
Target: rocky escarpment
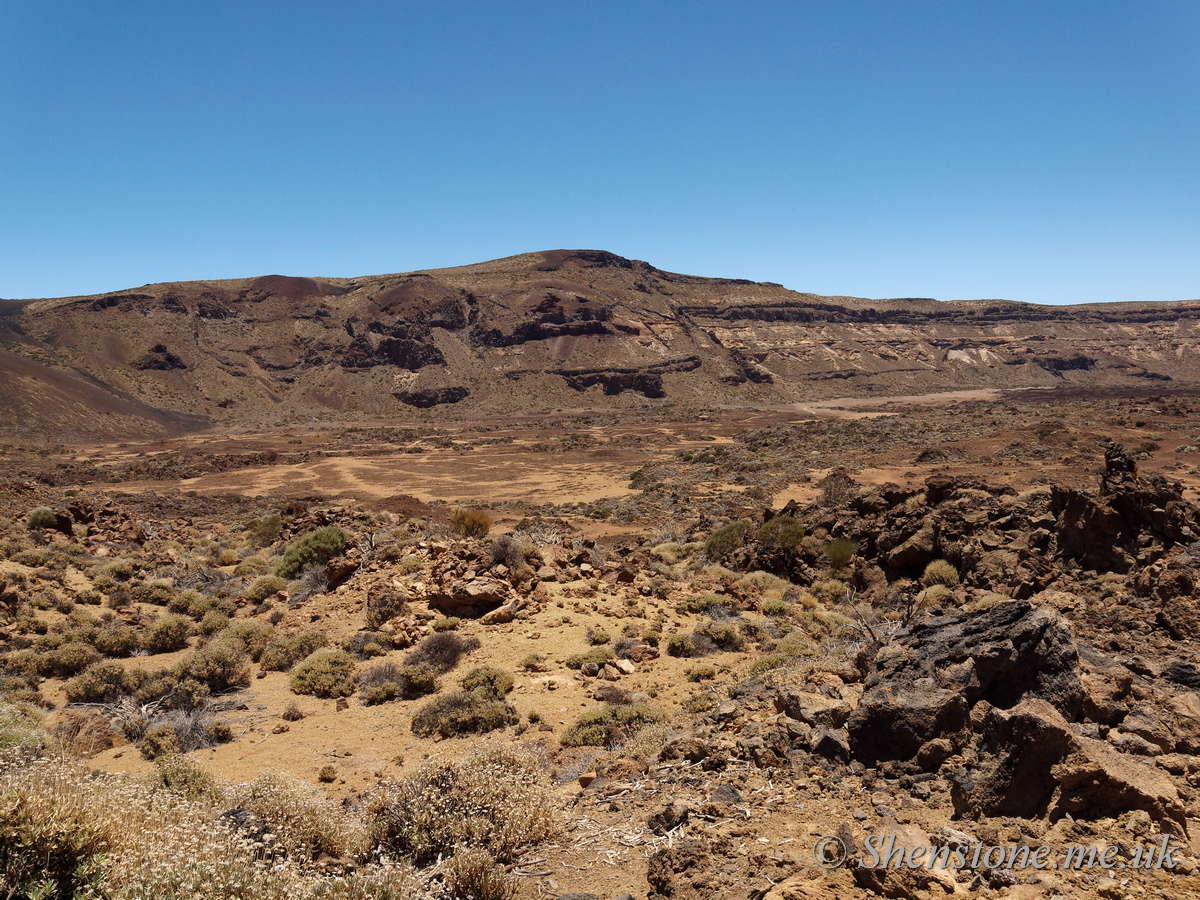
x: 541, y: 329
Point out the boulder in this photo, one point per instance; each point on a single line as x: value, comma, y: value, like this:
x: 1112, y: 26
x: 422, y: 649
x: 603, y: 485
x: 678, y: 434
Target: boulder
x: 925, y: 682
x: 1032, y: 764
x: 813, y: 709
x: 471, y: 599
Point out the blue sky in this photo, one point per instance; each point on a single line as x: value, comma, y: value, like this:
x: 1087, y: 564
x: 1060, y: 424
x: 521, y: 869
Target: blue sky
x: 1037, y: 151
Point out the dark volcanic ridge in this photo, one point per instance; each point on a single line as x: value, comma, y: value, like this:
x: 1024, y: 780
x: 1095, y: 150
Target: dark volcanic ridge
x: 554, y: 330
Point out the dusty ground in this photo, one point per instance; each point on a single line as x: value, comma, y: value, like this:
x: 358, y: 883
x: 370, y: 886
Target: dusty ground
x: 573, y: 473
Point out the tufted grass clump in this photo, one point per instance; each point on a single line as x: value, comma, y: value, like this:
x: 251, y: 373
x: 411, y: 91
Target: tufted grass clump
x: 471, y: 522
x: 940, y: 572
x: 498, y: 800
x: 325, y: 673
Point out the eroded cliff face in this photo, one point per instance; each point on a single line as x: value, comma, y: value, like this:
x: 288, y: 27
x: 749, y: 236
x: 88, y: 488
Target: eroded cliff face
x: 562, y: 329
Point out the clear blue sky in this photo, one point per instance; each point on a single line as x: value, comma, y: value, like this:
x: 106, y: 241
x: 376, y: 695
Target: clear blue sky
x: 1038, y: 151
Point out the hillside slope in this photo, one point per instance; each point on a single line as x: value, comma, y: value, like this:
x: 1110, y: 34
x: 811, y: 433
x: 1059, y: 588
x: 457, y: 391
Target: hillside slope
x: 564, y: 329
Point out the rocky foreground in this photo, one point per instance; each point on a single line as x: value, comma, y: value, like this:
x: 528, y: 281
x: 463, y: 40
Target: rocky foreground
x: 955, y: 664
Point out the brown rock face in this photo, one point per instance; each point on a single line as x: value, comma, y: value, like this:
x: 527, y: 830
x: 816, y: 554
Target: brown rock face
x: 923, y: 684
x: 1032, y: 764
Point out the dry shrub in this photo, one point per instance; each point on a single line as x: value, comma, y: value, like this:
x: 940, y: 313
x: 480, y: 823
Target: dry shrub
x: 303, y: 820
x: 471, y: 522
x: 383, y: 607
x: 252, y: 638
x: 441, y: 652
x: 387, y: 681
x: 498, y: 800
x: 95, y: 834
x: 166, y: 634
x: 474, y: 874
x: 264, y: 587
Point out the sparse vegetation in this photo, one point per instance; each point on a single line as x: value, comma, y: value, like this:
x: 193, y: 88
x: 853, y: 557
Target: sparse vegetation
x: 441, y: 652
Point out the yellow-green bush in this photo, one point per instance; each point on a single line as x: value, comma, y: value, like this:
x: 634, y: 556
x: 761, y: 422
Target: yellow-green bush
x: 325, y: 673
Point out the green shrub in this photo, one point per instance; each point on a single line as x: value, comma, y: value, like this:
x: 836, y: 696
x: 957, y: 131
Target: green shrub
x: 726, y: 539
x: 448, y: 623
x: 705, y: 603
x: 252, y: 638
x: 471, y: 522
x: 387, y: 681
x: 252, y: 565
x: 682, y: 645
x: 167, y: 634
x: 158, y: 593
x: 598, y: 636
x: 651, y: 637
x: 494, y: 682
x: 71, y: 659
x: 181, y: 776
x: 840, y: 551
x: 327, y: 775
x: 117, y: 640
x: 325, y: 673
x: 463, y: 712
x: 701, y: 703
x: 782, y: 532
x: 221, y: 667
x: 595, y: 727
x: 41, y: 517
x: 719, y: 635
x: 940, y: 572
x: 264, y: 587
x: 795, y: 646
x: 265, y: 531
x: 366, y: 644
x: 214, y: 621
x: 314, y: 549
x: 284, y: 652
x: 774, y: 608
x: 160, y: 740
x: 101, y: 682
x: 701, y: 673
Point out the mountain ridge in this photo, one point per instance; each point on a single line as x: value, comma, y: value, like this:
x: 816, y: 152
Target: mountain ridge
x: 545, y: 330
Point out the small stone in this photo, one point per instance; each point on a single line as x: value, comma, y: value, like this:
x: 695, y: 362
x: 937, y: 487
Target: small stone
x: 342, y: 704
x: 625, y: 667
x: 586, y: 779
